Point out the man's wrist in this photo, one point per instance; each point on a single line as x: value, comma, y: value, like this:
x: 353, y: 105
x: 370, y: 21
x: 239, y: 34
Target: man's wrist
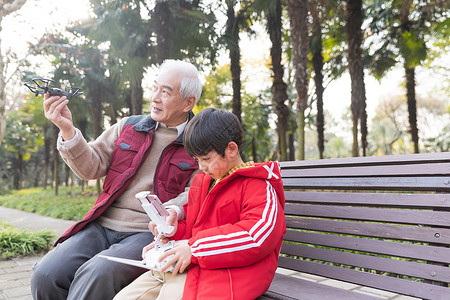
x: 70, y: 142
x: 67, y: 136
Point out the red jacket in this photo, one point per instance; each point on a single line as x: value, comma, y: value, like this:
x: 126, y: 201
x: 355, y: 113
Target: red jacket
x: 174, y: 169
x: 235, y: 233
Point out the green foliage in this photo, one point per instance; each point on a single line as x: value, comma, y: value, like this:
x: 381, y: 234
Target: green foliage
x: 70, y: 204
x: 334, y: 55
x: 381, y: 62
x: 413, y: 49
x: 388, y: 38
x: 257, y: 131
x: 217, y: 89
x: 15, y: 242
x: 21, y: 138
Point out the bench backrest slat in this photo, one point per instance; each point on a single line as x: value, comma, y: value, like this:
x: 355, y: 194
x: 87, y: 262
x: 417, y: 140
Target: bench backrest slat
x: 382, y: 222
x: 371, y: 183
x: 382, y: 231
x: 368, y: 171
x: 371, y: 199
x: 397, y: 249
x: 404, y: 216
x: 443, y: 157
x: 407, y: 268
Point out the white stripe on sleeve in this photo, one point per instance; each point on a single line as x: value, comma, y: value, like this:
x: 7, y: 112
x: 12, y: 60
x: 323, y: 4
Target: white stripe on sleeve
x: 242, y: 240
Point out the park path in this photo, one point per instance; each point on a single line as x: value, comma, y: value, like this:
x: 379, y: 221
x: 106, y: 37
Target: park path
x: 15, y: 273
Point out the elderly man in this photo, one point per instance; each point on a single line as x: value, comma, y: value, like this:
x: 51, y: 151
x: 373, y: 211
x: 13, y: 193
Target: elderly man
x: 136, y: 154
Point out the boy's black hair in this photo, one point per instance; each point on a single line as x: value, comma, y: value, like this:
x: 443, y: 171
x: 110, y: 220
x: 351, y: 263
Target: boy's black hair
x: 212, y: 129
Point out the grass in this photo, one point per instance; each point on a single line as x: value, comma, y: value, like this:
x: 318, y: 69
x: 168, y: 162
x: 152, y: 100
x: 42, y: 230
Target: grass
x: 70, y: 204
x: 15, y: 242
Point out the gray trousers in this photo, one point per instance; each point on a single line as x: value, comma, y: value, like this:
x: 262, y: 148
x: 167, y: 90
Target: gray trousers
x: 72, y: 269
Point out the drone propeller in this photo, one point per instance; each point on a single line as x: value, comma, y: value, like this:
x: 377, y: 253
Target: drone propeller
x: 44, y: 80
x: 75, y: 91
x: 32, y: 89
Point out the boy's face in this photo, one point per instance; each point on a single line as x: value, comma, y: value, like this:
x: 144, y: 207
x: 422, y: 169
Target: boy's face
x: 214, y: 164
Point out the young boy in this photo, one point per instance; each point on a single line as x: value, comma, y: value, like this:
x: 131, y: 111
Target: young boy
x: 234, y: 225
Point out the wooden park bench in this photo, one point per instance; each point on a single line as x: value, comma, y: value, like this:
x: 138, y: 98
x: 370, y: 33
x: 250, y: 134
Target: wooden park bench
x: 380, y: 222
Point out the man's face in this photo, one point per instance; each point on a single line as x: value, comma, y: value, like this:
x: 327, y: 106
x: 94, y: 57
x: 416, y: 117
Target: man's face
x: 167, y: 105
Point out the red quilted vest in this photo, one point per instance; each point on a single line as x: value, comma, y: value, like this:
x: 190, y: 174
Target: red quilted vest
x: 172, y: 174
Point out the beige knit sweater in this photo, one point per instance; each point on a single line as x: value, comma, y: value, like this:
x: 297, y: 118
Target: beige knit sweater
x: 91, y: 161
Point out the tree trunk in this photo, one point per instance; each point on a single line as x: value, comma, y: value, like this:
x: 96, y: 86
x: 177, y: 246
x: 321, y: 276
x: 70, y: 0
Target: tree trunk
x: 291, y: 146
x: 232, y: 31
x: 17, y: 180
x: 412, y: 107
x: 97, y: 119
x: 278, y: 85
x: 298, y: 16
x: 67, y: 175
x: 363, y: 124
x: 96, y: 123
x: 47, y: 147
x: 82, y: 126
x: 137, y: 94
x: 162, y: 30
x: 301, y: 133
x: 292, y: 124
x: 20, y: 169
x: 111, y: 113
x: 254, y: 152
x: 355, y: 66
x: 410, y: 79
x: 317, y: 61
x: 55, y: 160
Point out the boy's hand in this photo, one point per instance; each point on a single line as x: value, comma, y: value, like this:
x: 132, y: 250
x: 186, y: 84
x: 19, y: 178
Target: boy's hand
x: 171, y: 220
x: 181, y: 255
x: 147, y: 248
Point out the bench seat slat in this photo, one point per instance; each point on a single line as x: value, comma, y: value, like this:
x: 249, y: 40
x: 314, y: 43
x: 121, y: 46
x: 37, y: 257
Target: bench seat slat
x: 387, y: 231
x: 405, y: 250
x: 404, y: 216
x: 369, y: 171
x: 371, y: 183
x: 432, y: 201
x: 285, y: 287
x: 402, y: 267
x: 396, y: 285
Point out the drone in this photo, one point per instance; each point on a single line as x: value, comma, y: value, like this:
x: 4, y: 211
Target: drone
x: 41, y: 86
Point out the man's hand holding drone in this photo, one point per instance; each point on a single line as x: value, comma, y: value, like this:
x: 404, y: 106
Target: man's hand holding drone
x: 55, y: 104
x: 56, y: 110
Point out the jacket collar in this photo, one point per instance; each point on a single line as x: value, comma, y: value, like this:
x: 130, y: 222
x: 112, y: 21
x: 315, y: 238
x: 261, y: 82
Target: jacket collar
x: 147, y: 123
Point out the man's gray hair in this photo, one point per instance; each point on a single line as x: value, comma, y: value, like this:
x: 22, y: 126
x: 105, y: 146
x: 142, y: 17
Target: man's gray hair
x: 190, y: 85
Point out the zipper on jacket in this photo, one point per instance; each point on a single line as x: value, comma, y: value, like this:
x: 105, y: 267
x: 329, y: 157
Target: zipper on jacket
x: 174, y: 143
